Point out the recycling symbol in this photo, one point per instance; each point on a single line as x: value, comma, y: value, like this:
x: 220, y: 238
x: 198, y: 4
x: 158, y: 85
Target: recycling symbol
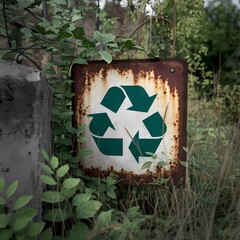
x: 141, y: 102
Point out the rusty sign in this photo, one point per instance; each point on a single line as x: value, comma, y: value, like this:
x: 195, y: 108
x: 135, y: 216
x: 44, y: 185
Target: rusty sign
x: 135, y: 117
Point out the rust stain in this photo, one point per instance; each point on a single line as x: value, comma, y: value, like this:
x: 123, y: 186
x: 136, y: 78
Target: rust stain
x: 171, y: 88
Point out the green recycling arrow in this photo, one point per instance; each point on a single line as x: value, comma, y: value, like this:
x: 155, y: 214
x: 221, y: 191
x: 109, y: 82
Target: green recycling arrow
x: 139, y: 146
x: 100, y: 123
x: 116, y: 94
x: 109, y: 146
x: 139, y: 98
x: 155, y: 125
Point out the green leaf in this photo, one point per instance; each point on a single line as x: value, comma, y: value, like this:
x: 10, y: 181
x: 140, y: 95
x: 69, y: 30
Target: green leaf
x: 184, y: 164
x: 97, y: 36
x: 104, y: 218
x: 22, y: 201
x: 56, y: 215
x: 63, y: 35
x: 56, y: 111
x: 48, y: 180
x: 107, y: 37
x: 26, y: 32
x: 88, y: 44
x: 2, y: 201
x: 66, y: 114
x: 23, y: 218
x: 80, y: 198
x: 140, y: 48
x: 45, y: 155
x: 76, y: 17
x: 103, y: 38
x: 162, y: 163
x: 80, y: 60
x: 54, y: 162
x: 6, y: 234
x: 81, y: 129
x: 90, y: 53
x: 65, y: 155
x: 46, y: 168
x: 39, y: 29
x: 62, y: 171
x: 152, y: 155
x: 151, y: 55
x: 47, y: 234
x: 78, y: 227
x: 111, y: 193
x: 106, y: 56
x: 51, y: 197
x: 147, y: 165
x: 2, y: 184
x: 128, y: 44
x: 56, y: 23
x: 185, y: 149
x: 65, y: 141
x: 35, y: 229
x: 70, y: 128
x: 4, y: 219
x: 149, y: 153
x: 133, y: 212
x: 71, y: 183
x: 87, y: 209
x: 110, y: 181
x: 68, y: 193
x: 24, y: 4
x: 78, y: 33
x: 113, y: 46
x: 12, y: 188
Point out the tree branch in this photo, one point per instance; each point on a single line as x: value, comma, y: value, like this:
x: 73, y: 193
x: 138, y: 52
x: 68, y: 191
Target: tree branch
x: 28, y: 58
x: 141, y: 25
x: 140, y: 29
x: 6, y: 26
x: 174, y: 30
x: 45, y: 10
x: 22, y: 48
x: 32, y: 14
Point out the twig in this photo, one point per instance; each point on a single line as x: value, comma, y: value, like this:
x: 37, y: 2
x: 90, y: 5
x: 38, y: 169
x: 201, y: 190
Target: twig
x: 45, y: 9
x: 98, y: 16
x: 29, y: 59
x: 140, y: 29
x: 31, y: 13
x: 174, y: 30
x: 22, y: 48
x: 134, y: 142
x: 136, y: 29
x: 150, y: 34
x: 5, y: 23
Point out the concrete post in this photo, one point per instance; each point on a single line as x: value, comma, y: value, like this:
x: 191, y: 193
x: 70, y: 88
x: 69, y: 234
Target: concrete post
x: 25, y: 115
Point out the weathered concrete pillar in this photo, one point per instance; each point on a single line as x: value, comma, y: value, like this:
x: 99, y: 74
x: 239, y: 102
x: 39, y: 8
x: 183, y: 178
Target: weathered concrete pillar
x: 25, y: 112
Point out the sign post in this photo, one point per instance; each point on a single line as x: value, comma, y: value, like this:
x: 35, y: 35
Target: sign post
x: 134, y: 112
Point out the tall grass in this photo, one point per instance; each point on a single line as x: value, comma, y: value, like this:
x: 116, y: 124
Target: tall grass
x: 208, y: 206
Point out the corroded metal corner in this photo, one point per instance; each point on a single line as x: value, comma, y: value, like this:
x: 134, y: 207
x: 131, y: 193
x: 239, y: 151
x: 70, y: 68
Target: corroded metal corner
x: 132, y: 109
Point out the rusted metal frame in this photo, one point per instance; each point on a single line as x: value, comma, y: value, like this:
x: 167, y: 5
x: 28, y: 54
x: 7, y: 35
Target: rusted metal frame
x: 168, y: 70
